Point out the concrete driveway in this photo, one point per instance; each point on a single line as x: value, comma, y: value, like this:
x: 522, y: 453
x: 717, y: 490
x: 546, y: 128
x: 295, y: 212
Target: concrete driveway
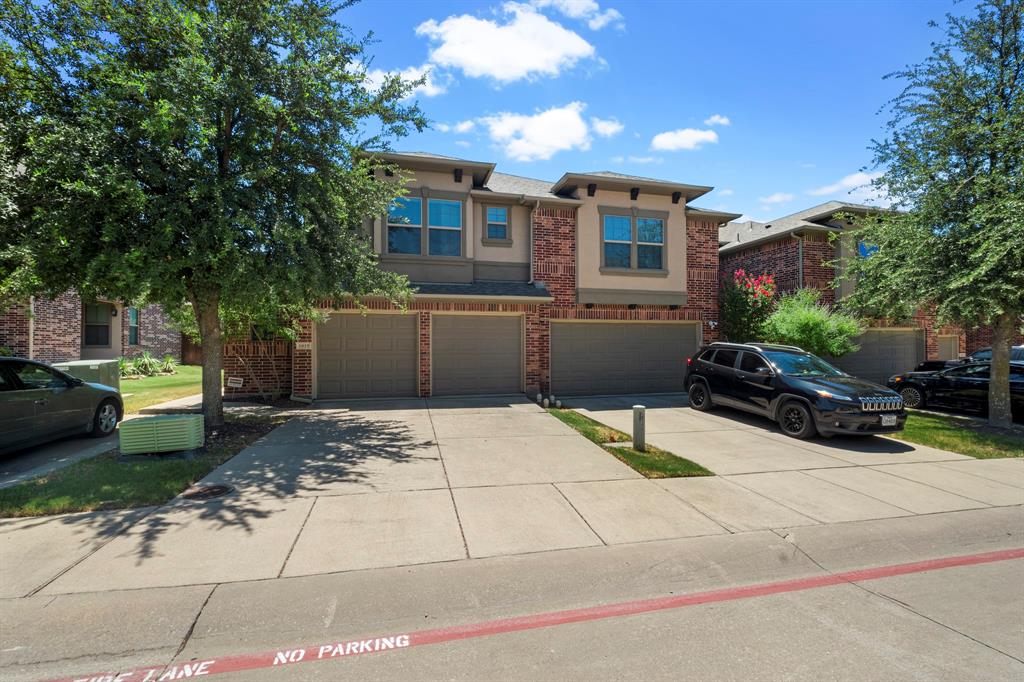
x: 760, y: 470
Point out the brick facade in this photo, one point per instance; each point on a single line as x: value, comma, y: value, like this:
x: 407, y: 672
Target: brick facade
x: 50, y: 330
x: 265, y: 368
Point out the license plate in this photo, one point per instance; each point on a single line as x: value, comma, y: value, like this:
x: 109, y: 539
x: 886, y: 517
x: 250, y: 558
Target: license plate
x: 888, y: 420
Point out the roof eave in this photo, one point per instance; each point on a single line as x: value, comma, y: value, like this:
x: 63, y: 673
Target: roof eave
x: 526, y: 198
x: 739, y: 246
x: 574, y: 180
x: 484, y: 297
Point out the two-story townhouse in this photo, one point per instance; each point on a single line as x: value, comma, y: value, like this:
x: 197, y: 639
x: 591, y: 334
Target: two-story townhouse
x: 596, y: 283
x: 809, y: 249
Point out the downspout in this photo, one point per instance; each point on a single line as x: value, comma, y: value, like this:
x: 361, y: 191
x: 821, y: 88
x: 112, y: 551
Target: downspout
x: 533, y: 211
x: 800, y: 260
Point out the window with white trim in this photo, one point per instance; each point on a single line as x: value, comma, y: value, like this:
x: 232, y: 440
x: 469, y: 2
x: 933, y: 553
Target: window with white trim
x: 444, y: 227
x: 497, y: 222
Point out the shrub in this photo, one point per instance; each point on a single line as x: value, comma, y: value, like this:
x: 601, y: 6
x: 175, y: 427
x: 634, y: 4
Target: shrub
x: 168, y: 365
x: 146, y: 364
x: 6, y: 352
x: 126, y: 367
x: 800, y: 319
x: 745, y: 304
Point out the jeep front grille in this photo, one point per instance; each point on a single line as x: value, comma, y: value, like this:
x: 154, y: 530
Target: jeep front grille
x: 881, y: 404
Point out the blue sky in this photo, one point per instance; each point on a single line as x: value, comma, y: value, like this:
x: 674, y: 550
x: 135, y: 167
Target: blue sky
x: 773, y: 103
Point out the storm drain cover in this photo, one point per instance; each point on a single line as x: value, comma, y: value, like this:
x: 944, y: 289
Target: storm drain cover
x: 206, y: 492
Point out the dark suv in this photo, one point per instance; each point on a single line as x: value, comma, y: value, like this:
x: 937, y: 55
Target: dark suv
x: 800, y: 391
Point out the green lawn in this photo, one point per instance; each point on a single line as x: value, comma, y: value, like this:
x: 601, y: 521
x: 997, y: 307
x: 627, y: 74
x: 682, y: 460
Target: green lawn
x: 152, y: 390
x: 653, y: 463
x: 966, y: 437
x: 105, y: 482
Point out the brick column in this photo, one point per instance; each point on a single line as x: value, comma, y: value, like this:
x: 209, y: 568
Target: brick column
x: 302, y: 361
x: 424, y: 354
x: 537, y: 345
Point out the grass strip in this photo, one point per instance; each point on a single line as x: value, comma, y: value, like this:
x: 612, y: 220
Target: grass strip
x: 652, y: 463
x: 963, y: 436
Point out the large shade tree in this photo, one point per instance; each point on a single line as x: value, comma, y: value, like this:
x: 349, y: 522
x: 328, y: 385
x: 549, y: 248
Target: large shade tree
x: 197, y: 154
x: 953, y: 161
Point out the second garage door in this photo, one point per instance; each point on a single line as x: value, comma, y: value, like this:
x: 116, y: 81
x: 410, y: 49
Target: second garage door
x: 610, y: 358
x: 367, y: 356
x: 884, y: 352
x: 476, y: 354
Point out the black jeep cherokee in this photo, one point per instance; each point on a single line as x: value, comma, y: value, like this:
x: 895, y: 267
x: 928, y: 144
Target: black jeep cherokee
x: 800, y: 391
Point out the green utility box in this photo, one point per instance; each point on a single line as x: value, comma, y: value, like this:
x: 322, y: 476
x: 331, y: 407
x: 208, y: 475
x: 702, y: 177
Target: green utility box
x: 104, y: 372
x: 161, y: 433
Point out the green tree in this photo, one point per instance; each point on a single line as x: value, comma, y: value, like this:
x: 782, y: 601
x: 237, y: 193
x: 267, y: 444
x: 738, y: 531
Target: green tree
x: 195, y: 153
x: 744, y: 305
x: 800, y: 319
x: 953, y: 161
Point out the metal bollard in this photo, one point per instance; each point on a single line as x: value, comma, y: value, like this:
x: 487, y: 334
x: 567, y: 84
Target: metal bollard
x: 640, y: 428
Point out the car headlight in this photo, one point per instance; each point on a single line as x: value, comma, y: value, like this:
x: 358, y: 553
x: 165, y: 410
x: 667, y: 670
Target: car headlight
x: 895, y: 379
x: 834, y: 396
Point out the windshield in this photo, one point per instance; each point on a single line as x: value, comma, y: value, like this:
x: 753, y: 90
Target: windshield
x: 802, y: 365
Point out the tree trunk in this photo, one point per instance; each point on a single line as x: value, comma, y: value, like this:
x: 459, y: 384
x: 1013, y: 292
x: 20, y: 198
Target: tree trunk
x: 999, y: 409
x: 208, y: 316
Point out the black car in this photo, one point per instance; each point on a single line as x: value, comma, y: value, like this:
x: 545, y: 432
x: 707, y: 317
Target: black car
x: 800, y: 391
x: 963, y: 387
x: 985, y: 354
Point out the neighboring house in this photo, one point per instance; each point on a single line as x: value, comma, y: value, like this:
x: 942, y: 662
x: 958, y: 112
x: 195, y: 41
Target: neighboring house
x: 802, y: 250
x: 597, y: 283
x: 66, y: 328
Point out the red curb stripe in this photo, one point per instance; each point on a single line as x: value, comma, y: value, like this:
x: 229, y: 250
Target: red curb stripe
x: 329, y: 650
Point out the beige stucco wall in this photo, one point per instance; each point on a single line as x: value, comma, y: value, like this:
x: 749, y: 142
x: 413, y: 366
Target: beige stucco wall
x: 589, y: 244
x: 519, y: 230
x: 115, y: 349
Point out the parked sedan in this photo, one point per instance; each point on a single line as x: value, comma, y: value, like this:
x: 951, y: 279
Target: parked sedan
x: 963, y: 387
x: 985, y: 354
x: 39, y: 403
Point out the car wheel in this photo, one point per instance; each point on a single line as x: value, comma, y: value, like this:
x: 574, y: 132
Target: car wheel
x: 796, y: 420
x: 700, y: 397
x: 105, y: 420
x: 912, y: 396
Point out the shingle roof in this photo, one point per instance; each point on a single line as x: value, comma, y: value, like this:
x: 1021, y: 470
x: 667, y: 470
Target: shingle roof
x: 736, y: 236
x: 484, y: 288
x: 517, y: 184
x: 623, y: 176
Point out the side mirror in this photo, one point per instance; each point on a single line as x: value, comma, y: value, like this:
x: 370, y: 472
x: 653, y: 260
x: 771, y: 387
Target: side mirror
x: 763, y: 371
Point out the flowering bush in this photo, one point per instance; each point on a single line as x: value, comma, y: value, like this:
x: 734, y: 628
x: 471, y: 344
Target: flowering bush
x: 745, y: 305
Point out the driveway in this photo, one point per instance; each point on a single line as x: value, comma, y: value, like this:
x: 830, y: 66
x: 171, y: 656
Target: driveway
x: 824, y: 480
x: 346, y: 487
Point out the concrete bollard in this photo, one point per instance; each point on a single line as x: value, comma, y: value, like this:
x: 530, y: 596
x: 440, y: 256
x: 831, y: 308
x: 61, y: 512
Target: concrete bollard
x: 540, y: 398
x: 545, y: 403
x: 639, y: 428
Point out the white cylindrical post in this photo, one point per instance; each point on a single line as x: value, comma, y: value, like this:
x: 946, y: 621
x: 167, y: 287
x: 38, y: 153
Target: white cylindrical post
x: 639, y: 428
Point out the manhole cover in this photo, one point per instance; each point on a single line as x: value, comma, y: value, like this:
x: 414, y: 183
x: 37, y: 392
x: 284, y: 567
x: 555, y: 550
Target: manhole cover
x: 206, y: 492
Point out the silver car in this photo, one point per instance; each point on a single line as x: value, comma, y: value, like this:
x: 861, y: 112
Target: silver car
x: 39, y: 403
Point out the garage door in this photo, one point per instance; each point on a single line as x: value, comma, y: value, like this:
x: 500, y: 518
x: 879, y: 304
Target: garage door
x: 608, y: 358
x: 476, y: 354
x: 367, y: 356
x: 884, y: 352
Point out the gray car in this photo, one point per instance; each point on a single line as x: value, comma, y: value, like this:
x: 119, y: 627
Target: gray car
x: 39, y: 403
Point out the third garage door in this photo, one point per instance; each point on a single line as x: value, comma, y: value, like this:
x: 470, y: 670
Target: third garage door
x: 884, y: 352
x: 476, y: 354
x: 610, y: 357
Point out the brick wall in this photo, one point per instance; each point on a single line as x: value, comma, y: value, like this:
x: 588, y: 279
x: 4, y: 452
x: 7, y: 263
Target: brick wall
x: 157, y: 334
x: 265, y: 368
x: 14, y: 330
x: 780, y: 258
x: 981, y: 337
x: 819, y: 266
x: 302, y: 362
x: 424, y: 339
x: 57, y: 328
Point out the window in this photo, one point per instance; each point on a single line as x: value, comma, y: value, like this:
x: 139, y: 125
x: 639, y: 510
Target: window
x: 618, y: 241
x: 866, y: 250
x: 133, y: 326
x: 751, y: 362
x: 445, y: 227
x: 969, y: 372
x: 405, y: 221
x: 497, y: 222
x: 650, y: 242
x: 726, y: 358
x: 36, y: 377
x: 97, y: 325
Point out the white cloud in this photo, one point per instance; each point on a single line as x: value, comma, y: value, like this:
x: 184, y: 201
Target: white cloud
x: 606, y: 127
x: 684, y: 138
x: 435, y: 84
x: 462, y: 143
x: 777, y: 198
x: 542, y: 135
x: 856, y: 187
x: 524, y: 44
x: 725, y: 192
x: 587, y: 10
x: 717, y: 120
x: 637, y: 159
x: 461, y: 127
x: 744, y: 218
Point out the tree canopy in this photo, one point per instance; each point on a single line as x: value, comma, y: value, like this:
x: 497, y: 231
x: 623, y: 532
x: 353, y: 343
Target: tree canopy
x: 199, y: 153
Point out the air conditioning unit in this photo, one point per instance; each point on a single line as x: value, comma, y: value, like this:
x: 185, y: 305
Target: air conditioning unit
x: 161, y: 433
x: 104, y: 372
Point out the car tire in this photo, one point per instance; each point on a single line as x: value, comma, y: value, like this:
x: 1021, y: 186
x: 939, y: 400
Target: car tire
x: 700, y: 396
x: 105, y: 420
x: 796, y: 420
x: 913, y: 397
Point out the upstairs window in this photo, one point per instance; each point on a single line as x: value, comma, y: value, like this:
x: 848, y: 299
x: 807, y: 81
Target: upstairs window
x: 618, y: 241
x: 497, y: 222
x: 133, y: 326
x: 650, y: 243
x: 405, y: 223
x: 445, y: 227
